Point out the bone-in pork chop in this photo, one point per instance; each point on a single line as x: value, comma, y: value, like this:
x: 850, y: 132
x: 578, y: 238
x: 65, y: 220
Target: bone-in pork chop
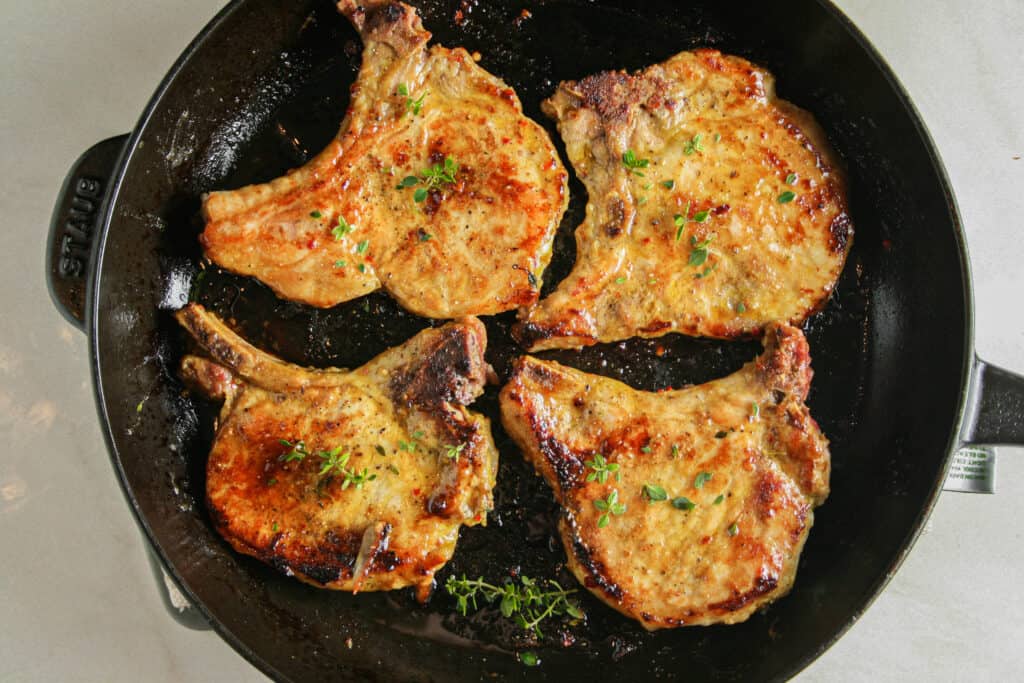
x: 680, y: 507
x: 348, y: 480
x: 437, y: 188
x: 714, y: 206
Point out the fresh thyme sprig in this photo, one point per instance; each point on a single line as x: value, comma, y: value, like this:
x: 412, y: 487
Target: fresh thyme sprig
x: 681, y: 219
x: 602, y: 468
x: 634, y: 163
x: 335, y: 460
x: 452, y: 452
x: 433, y: 178
x: 609, y: 506
x: 528, y: 602
x: 298, y: 451
x: 330, y: 460
x: 412, y: 105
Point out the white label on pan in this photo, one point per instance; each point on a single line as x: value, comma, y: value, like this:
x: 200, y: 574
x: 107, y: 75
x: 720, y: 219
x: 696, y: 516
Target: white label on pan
x: 973, y: 470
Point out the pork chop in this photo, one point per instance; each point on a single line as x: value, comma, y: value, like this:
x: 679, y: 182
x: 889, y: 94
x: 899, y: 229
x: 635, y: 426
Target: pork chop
x: 679, y: 508
x: 437, y: 188
x: 353, y: 480
x: 714, y: 206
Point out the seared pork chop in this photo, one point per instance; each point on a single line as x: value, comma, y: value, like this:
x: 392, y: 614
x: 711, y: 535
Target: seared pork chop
x: 437, y: 188
x: 715, y: 207
x: 353, y: 480
x: 679, y: 507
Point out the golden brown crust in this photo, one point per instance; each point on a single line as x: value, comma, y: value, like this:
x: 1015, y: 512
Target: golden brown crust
x: 395, y: 417
x: 718, y: 143
x: 655, y: 562
x: 475, y: 246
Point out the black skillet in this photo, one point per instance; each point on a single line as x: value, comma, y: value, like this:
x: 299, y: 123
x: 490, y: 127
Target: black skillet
x: 897, y: 386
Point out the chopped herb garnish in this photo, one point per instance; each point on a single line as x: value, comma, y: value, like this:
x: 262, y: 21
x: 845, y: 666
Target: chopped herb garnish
x: 380, y: 450
x: 698, y: 251
x: 452, y: 452
x: 342, y: 228
x: 609, y: 506
x: 298, y: 451
x: 528, y: 602
x: 733, y: 529
x: 683, y: 503
x: 620, y: 280
x: 786, y: 197
x: 755, y: 411
x: 707, y: 271
x: 409, y: 446
x: 741, y: 307
x: 316, y: 214
x: 275, y: 527
x: 439, y: 174
x: 362, y: 247
x: 675, y: 451
x: 425, y: 236
x: 434, y: 177
x: 718, y: 137
x: 791, y: 179
x: 340, y: 264
x: 641, y: 201
x: 602, y: 468
x: 332, y: 460
x: 529, y: 658
x: 654, y: 493
x: 681, y: 219
x: 392, y: 469
x: 415, y: 105
x: 410, y: 104
x: 721, y: 435
x: 701, y: 479
x: 633, y: 163
x: 271, y: 481
x: 693, y: 145
x: 362, y: 269
x: 646, y: 449
x: 668, y: 184
x: 719, y: 499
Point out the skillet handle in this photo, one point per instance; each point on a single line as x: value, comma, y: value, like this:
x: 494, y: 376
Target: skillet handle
x: 71, y: 245
x: 995, y: 407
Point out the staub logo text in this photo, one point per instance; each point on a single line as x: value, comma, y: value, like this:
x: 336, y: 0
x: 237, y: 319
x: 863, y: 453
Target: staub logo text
x: 78, y: 227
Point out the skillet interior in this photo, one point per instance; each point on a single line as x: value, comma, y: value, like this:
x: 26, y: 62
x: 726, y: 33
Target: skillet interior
x: 268, y: 87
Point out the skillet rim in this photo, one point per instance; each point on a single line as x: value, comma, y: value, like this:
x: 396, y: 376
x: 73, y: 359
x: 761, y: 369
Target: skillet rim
x: 968, y: 362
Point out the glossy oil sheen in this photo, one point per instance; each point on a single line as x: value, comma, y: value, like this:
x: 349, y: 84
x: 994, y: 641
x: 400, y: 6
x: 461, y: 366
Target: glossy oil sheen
x: 267, y: 88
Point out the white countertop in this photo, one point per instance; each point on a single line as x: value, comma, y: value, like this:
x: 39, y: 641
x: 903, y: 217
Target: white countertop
x: 77, y: 600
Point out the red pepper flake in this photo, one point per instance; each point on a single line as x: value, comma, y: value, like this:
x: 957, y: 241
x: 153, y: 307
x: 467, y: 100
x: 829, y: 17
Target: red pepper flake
x: 416, y: 492
x: 311, y: 244
x: 659, y: 350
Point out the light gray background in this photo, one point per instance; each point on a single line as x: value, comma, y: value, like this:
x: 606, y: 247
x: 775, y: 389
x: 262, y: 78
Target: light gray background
x: 77, y: 601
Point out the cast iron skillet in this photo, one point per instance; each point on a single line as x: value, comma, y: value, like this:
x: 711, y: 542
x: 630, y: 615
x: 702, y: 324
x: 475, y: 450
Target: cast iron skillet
x: 897, y: 387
